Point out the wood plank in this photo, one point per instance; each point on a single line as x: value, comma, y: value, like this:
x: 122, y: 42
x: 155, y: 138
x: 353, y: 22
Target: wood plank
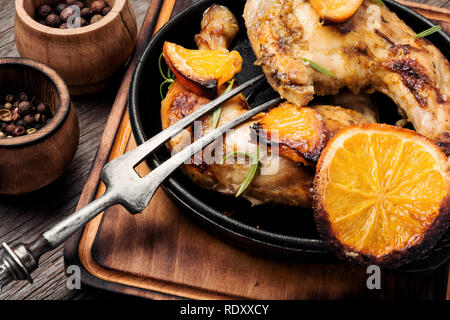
x: 6, y: 17
x: 435, y: 3
x: 429, y: 6
x: 437, y: 15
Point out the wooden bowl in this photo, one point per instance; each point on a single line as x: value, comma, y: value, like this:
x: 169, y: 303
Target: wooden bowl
x: 30, y: 162
x: 87, y: 57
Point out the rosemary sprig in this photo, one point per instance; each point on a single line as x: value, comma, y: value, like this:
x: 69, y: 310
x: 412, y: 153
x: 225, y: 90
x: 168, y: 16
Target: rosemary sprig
x: 169, y: 78
x: 254, y: 168
x: 217, y: 112
x: 428, y: 31
x: 317, y: 67
x: 380, y: 2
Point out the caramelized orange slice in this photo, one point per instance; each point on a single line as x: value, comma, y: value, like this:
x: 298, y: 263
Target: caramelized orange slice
x: 381, y: 194
x: 202, y: 71
x: 299, y: 132
x: 335, y: 11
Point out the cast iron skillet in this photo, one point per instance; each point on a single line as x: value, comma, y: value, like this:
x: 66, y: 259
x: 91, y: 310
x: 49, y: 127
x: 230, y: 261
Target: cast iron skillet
x: 283, y: 231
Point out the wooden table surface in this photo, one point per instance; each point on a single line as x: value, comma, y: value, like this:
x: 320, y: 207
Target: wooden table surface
x: 23, y: 218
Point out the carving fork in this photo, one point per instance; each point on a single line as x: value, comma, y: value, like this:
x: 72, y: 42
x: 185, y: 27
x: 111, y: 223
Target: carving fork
x: 123, y: 186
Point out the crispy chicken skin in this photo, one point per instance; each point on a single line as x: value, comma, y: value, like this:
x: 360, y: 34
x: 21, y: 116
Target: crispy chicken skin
x: 372, y: 51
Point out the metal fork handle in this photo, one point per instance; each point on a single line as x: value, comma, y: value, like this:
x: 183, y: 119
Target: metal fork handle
x: 18, y: 262
x: 63, y: 229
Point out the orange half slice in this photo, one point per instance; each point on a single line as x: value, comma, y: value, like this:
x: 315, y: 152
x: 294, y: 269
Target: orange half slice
x: 381, y: 194
x: 202, y: 71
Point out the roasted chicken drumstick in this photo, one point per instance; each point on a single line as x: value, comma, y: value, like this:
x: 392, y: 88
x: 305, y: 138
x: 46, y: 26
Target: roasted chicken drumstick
x: 372, y: 51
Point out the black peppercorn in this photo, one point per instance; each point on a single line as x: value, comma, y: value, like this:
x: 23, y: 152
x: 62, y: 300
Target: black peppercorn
x: 9, y: 129
x: 86, y: 13
x: 96, y: 18
x: 97, y: 6
x: 60, y: 7
x: 28, y: 120
x: 24, y: 108
x: 79, y: 4
x: 42, y: 108
x: 53, y: 20
x: 79, y: 22
x: 44, y: 10
x: 65, y: 9
x: 23, y: 97
x: 18, y: 116
x: 66, y: 13
x: 106, y: 10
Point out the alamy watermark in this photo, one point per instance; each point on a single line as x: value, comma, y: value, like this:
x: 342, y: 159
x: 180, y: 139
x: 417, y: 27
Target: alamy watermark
x: 374, y: 280
x: 73, y: 281
x: 74, y: 20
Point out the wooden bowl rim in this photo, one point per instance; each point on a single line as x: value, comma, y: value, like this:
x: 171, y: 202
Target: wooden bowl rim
x: 62, y: 110
x: 28, y: 20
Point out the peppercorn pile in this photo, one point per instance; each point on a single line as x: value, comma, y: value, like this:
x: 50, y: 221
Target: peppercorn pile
x: 57, y: 16
x: 20, y: 115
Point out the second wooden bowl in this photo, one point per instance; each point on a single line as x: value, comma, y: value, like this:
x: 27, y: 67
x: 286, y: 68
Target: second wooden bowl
x: 30, y: 162
x: 85, y: 57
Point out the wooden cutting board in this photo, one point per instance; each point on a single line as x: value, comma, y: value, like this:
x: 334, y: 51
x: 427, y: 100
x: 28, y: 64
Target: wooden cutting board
x: 161, y: 254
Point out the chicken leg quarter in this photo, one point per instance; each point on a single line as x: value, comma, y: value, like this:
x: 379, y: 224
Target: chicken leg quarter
x: 372, y: 51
